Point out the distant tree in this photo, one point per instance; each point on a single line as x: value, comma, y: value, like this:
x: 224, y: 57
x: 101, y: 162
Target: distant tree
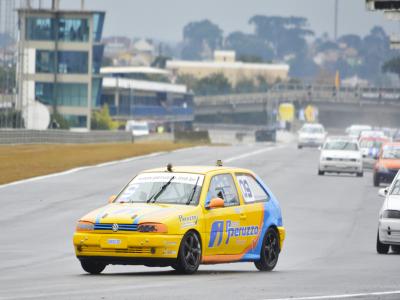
x: 287, y: 35
x: 189, y: 80
x: 200, y: 37
x: 351, y: 40
x: 101, y: 120
x: 392, y: 66
x: 248, y: 47
x: 58, y: 121
x: 214, y: 84
x: 245, y: 86
x: 328, y: 45
x: 11, y: 118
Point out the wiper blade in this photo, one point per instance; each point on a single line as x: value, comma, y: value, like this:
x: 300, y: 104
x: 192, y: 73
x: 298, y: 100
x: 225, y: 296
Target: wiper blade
x: 193, y: 192
x: 162, y: 189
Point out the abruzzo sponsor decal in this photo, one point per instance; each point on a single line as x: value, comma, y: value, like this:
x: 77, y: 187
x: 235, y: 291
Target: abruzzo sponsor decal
x: 233, y: 230
x: 188, y: 221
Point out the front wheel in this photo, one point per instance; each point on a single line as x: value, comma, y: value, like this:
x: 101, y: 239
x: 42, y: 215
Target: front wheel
x: 189, y: 256
x: 376, y: 180
x: 269, y: 251
x: 360, y: 174
x: 380, y: 247
x: 93, y: 267
x: 321, y: 173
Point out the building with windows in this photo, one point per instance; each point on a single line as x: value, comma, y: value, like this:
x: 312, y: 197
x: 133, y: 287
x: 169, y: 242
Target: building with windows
x: 225, y: 63
x: 144, y: 93
x: 59, y: 60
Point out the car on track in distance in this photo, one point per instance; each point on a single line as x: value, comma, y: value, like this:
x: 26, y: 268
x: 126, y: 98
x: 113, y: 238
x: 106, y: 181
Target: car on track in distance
x: 340, y: 155
x: 388, y: 163
x: 389, y: 219
x: 311, y: 135
x: 183, y: 217
x: 354, y: 131
x: 370, y: 147
x: 372, y: 134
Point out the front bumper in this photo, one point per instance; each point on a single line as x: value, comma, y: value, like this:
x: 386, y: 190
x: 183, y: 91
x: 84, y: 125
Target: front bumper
x: 310, y: 143
x: 135, y: 246
x: 340, y: 166
x: 389, y: 231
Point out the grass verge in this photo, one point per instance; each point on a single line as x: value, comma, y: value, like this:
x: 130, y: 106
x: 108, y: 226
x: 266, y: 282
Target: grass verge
x: 25, y: 161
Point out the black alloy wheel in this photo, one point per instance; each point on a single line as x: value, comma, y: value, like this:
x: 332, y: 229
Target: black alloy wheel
x: 380, y: 247
x: 269, y: 251
x: 189, y: 256
x: 93, y: 267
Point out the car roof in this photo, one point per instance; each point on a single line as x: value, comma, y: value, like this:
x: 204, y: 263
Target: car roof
x: 197, y: 169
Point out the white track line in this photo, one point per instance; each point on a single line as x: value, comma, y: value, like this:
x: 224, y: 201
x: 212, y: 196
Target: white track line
x: 94, y: 166
x: 239, y: 157
x: 344, y: 296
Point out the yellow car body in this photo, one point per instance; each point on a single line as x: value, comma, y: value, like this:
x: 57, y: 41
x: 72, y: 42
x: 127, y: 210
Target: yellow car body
x: 151, y: 233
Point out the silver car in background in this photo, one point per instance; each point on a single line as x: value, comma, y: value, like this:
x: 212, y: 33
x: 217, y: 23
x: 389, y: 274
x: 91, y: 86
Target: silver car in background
x: 341, y: 155
x: 311, y: 135
x: 389, y: 219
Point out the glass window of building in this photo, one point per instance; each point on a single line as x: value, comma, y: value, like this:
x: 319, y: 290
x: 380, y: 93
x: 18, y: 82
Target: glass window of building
x: 98, y: 22
x: 40, y: 29
x: 73, y: 62
x: 66, y: 94
x: 45, y: 61
x: 75, y: 121
x: 96, y: 91
x: 73, y: 30
x: 97, y: 58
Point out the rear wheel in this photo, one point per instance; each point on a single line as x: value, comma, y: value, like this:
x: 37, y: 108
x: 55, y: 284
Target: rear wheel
x: 380, y: 247
x: 93, y: 267
x: 321, y: 173
x: 376, y: 180
x: 299, y: 146
x: 269, y: 251
x: 360, y: 174
x: 189, y: 255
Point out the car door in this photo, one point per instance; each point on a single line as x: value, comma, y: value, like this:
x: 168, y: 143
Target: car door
x: 254, y: 199
x: 223, y: 224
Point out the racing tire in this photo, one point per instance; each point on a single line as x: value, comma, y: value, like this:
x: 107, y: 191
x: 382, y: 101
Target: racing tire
x: 376, y: 180
x: 396, y: 249
x: 380, y: 247
x: 321, y: 173
x: 270, y: 250
x: 189, y: 256
x: 360, y: 174
x: 93, y: 267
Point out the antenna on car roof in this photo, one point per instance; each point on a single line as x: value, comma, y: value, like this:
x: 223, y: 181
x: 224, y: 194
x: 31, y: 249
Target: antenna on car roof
x: 219, y: 163
x: 169, y: 167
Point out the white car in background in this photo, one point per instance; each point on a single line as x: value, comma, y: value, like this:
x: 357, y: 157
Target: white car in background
x: 311, y: 135
x: 341, y: 155
x: 138, y: 128
x: 372, y: 134
x: 389, y: 219
x: 354, y: 131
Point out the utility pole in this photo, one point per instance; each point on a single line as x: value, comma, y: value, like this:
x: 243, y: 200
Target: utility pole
x: 336, y: 24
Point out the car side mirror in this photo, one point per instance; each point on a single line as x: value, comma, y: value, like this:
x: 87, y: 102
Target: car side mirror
x: 216, y: 203
x: 383, y: 192
x: 112, y: 198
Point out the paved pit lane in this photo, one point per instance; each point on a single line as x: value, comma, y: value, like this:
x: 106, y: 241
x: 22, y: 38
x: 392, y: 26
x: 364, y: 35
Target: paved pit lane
x: 331, y: 224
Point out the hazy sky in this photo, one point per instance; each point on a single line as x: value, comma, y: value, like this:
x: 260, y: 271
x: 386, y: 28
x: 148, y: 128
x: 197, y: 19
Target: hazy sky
x: 164, y: 19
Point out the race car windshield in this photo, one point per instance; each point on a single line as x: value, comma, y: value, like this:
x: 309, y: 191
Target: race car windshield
x: 370, y: 144
x: 341, y: 145
x: 144, y: 186
x: 391, y: 153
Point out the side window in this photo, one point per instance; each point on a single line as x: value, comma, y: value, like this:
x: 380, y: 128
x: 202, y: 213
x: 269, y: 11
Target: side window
x: 223, y: 186
x: 251, y: 189
x: 396, y: 188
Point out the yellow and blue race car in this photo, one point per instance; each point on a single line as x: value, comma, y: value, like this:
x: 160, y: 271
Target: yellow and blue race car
x: 183, y: 217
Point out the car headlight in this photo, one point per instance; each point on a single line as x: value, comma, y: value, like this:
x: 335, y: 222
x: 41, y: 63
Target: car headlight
x: 84, y: 226
x: 152, y: 227
x: 391, y: 214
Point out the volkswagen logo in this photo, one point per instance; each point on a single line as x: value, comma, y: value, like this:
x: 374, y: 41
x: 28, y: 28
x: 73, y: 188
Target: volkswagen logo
x: 115, y: 227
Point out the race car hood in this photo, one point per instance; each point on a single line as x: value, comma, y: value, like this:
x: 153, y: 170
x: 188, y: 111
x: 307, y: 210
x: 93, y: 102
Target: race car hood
x: 393, y: 202
x: 390, y: 163
x: 341, y: 154
x: 135, y: 213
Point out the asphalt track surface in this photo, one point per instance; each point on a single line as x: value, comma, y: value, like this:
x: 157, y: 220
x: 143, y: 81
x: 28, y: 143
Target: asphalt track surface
x: 331, y: 224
